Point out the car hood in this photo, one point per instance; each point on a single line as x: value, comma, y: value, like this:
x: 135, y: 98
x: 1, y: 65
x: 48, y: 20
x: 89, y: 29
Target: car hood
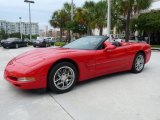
x: 35, y: 57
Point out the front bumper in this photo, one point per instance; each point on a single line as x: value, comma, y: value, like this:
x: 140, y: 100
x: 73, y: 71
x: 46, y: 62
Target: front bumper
x: 11, y: 74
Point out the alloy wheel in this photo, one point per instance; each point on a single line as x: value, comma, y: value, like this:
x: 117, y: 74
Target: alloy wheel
x: 64, y: 78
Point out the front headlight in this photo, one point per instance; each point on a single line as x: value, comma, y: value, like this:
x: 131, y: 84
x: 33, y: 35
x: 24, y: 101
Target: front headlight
x: 26, y: 79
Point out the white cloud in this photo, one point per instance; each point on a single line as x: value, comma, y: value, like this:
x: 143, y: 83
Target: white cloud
x: 42, y: 10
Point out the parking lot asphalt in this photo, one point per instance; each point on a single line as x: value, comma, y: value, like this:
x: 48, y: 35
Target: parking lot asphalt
x: 121, y: 96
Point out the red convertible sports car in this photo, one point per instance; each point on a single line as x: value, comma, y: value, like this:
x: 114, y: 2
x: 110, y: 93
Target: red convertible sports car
x: 60, y: 68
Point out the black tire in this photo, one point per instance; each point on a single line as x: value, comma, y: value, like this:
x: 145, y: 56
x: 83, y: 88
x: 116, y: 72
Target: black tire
x: 54, y: 72
x: 134, y: 68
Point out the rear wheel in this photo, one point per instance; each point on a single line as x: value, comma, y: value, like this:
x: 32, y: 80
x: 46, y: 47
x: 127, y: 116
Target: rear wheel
x: 138, y: 63
x: 62, y: 77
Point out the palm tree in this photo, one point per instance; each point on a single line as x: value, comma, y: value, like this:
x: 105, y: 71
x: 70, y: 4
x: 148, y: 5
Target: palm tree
x: 94, y: 15
x: 80, y: 19
x: 62, y: 19
x: 117, y: 21
x: 89, y: 13
x: 100, y: 15
x: 67, y: 8
x: 81, y: 15
x: 58, y: 20
x: 128, y: 8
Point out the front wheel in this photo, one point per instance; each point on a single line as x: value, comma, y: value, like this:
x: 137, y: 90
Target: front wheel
x: 62, y: 77
x: 138, y: 63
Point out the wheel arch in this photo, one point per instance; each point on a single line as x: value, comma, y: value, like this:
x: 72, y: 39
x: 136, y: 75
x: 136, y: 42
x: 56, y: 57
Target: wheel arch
x: 64, y: 60
x: 143, y: 52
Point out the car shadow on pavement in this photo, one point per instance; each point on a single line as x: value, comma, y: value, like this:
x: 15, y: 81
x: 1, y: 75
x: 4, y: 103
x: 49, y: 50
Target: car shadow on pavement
x: 82, y: 84
x: 41, y: 92
x: 103, y: 78
x: 34, y: 92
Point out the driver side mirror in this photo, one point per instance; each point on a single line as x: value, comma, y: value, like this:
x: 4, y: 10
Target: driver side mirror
x: 109, y: 48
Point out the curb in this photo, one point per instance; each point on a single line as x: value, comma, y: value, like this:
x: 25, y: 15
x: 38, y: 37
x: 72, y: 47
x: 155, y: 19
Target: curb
x: 157, y: 49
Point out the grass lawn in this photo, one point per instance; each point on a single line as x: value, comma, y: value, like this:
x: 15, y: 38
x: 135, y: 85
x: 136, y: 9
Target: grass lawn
x: 155, y: 46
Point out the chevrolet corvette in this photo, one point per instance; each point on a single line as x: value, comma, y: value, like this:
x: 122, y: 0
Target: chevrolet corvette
x: 60, y: 68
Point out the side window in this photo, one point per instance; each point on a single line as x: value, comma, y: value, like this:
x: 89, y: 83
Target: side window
x: 18, y: 40
x: 102, y: 46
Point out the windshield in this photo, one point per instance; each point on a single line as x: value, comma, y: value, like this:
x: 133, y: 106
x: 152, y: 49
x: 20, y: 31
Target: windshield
x: 86, y: 43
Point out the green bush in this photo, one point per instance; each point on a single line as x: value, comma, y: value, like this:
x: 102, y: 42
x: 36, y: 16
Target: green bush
x: 52, y: 43
x: 59, y: 43
x: 156, y: 46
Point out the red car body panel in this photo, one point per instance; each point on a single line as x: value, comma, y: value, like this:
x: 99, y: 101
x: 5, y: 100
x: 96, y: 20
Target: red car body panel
x: 90, y: 63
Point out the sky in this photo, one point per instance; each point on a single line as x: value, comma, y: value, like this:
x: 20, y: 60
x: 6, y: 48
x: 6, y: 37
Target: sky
x: 11, y: 10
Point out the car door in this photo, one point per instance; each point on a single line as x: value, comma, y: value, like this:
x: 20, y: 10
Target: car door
x: 23, y: 43
x: 111, y: 61
x: 19, y: 42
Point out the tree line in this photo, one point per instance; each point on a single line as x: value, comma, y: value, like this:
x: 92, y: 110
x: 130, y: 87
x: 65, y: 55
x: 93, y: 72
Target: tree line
x: 148, y: 24
x: 93, y: 15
